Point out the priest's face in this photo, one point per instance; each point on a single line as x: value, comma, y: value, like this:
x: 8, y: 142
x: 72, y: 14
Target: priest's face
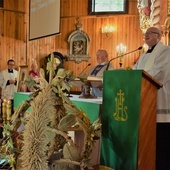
x: 11, y: 65
x: 152, y: 36
x: 102, y: 56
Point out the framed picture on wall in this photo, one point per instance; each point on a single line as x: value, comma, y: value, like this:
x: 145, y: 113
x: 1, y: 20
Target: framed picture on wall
x: 78, y: 42
x: 21, y: 87
x: 105, y: 7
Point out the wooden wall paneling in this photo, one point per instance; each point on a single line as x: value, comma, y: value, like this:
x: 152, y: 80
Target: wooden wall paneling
x: 95, y: 36
x: 164, y: 11
x: 114, y: 43
x: 29, y: 50
x: 133, y: 44
x: 20, y: 38
x: 132, y: 7
x: 101, y: 39
x: 8, y: 36
x: 23, y: 55
x: 45, y: 45
x: 16, y: 5
x: 74, y: 8
x: 4, y: 46
x: 91, y: 25
x: 14, y: 42
x: 120, y: 34
x: 53, y: 42
x: 44, y: 51
x: 127, y: 24
x: 83, y: 10
x: 66, y: 28
x: 50, y: 45
x: 93, y: 31
x: 1, y: 39
x: 9, y: 4
x: 20, y: 5
x: 44, y: 48
x: 21, y: 27
x: 32, y: 46
x: 66, y: 9
x: 14, y: 32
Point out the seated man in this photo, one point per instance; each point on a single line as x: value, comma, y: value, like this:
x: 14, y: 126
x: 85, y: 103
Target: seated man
x: 97, y: 71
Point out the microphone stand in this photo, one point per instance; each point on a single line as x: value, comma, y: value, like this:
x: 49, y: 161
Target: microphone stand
x: 84, y: 69
x: 122, y: 56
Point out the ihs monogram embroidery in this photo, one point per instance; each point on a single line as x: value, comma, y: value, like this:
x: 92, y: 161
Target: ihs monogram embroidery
x: 120, y: 113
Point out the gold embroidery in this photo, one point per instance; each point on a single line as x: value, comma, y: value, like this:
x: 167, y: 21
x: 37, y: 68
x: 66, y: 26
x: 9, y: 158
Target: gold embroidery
x: 120, y: 113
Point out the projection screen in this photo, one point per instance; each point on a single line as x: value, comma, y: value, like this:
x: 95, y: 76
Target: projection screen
x: 44, y: 18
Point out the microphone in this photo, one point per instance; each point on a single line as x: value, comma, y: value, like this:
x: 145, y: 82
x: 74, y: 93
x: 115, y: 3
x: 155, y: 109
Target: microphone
x: 85, y: 68
x: 122, y: 56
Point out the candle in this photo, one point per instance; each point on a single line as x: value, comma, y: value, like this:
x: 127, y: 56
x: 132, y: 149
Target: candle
x: 8, y: 110
x: 120, y: 49
x: 4, y: 110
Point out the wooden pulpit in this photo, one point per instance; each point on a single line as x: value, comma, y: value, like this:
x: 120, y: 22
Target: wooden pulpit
x: 129, y: 120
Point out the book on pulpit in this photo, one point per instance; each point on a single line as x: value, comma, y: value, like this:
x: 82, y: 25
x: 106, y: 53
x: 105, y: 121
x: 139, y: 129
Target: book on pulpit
x: 78, y: 82
x: 95, y: 81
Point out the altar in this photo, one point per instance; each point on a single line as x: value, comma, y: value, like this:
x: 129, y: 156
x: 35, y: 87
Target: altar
x: 92, y: 107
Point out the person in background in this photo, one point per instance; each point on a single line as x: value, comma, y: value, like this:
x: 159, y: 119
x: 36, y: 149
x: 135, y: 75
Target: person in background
x: 34, y: 73
x: 97, y: 71
x: 156, y: 61
x: 8, y: 82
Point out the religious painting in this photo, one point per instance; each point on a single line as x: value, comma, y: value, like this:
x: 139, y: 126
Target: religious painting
x: 21, y: 87
x: 78, y: 42
x: 99, y: 7
x: 79, y: 45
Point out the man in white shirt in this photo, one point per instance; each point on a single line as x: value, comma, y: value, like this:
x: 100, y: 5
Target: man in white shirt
x: 8, y: 81
x: 97, y: 71
x: 156, y: 61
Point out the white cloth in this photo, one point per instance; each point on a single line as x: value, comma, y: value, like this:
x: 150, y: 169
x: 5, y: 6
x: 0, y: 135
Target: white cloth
x: 8, y: 90
x: 159, y: 68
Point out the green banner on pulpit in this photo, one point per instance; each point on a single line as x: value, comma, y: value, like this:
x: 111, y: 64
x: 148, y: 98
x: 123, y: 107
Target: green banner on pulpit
x: 120, y: 119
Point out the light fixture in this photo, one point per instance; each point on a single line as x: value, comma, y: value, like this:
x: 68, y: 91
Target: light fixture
x: 120, y: 50
x: 107, y: 29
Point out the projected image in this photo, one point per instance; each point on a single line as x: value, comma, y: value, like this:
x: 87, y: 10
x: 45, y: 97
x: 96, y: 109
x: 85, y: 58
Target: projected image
x: 44, y: 18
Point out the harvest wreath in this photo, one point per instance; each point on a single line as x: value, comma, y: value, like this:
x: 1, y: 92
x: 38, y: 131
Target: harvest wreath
x: 44, y: 142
